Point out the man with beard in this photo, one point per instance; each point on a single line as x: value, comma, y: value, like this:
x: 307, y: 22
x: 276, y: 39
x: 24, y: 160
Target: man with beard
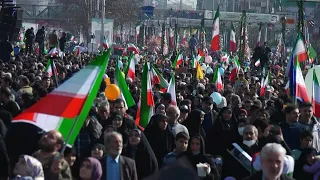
x: 54, y: 166
x: 114, y: 165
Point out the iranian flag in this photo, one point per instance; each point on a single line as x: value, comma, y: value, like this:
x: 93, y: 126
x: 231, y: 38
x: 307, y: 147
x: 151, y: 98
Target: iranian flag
x: 300, y: 50
x: 67, y: 107
x: 137, y: 33
x: 131, y: 69
x: 146, y: 105
x: 77, y: 55
x: 215, y: 42
x: 122, y: 84
x: 233, y: 43
x: 133, y: 48
x: 178, y: 61
x: 172, y: 90
x: 264, y: 84
x: 157, y: 78
x: 54, y: 52
x: 257, y: 63
x: 105, y: 43
x: 48, y: 68
x: 195, y: 61
x: 259, y: 36
x: 234, y: 72
x: 217, y: 81
x: 171, y: 37
x: 316, y: 95
x: 184, y: 38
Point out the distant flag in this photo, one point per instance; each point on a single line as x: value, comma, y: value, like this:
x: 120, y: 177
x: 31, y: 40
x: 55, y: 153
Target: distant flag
x: 217, y: 81
x: 257, y: 63
x: 157, y: 78
x: 131, y: 69
x: 137, y: 33
x: 184, y: 38
x: 199, y: 73
x: 105, y: 43
x: 171, y: 37
x: 259, y: 36
x: 299, y: 52
x: 233, y: 43
x: 195, y: 61
x: 316, y: 95
x: 172, y: 90
x: 72, y: 102
x: 133, y: 48
x: 77, y: 55
x: 264, y: 84
x: 178, y: 61
x: 215, y: 42
x: 48, y: 68
x: 312, y: 53
x: 234, y: 72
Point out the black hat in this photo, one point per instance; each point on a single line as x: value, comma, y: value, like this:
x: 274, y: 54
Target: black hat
x: 207, y: 99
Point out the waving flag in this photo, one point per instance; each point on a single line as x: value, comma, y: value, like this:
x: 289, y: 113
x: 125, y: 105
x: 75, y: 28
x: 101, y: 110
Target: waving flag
x: 122, y: 84
x: 259, y: 36
x: 48, y: 68
x: 171, y: 37
x: 217, y: 79
x: 234, y: 72
x: 172, y: 90
x: 184, y: 39
x: 133, y: 48
x: 146, y: 105
x: 72, y: 102
x: 137, y: 33
x: 105, y: 43
x: 257, y: 63
x: 77, y: 55
x: 233, y: 43
x: 215, y: 42
x: 264, y: 84
x: 316, y: 95
x: 199, y: 73
x: 132, y: 69
x: 178, y: 61
x: 157, y: 78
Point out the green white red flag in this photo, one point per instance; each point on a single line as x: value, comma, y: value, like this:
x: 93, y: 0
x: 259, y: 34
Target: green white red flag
x: 215, y: 42
x: 146, y: 103
x: 217, y: 81
x: 67, y: 107
x: 172, y: 90
x: 316, y: 95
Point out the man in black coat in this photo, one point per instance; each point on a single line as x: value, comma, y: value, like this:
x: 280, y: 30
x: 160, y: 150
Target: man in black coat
x: 272, y: 161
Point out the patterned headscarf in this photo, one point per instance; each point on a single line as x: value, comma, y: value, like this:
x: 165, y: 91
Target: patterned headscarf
x: 34, y: 167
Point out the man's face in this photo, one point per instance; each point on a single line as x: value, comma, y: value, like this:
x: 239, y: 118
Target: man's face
x: 207, y: 106
x: 181, y: 145
x: 115, y: 146
x: 172, y: 114
x: 272, y: 165
x: 306, y: 112
x: 119, y: 107
x: 293, y: 116
x: 48, y: 142
x: 104, y: 112
x: 249, y: 134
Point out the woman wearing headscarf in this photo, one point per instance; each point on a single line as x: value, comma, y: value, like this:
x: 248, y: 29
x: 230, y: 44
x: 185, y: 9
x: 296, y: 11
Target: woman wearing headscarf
x: 117, y: 120
x: 28, y: 166
x: 98, y: 151
x: 194, y: 123
x: 90, y: 169
x: 195, y: 154
x: 160, y: 138
x: 139, y: 149
x: 304, y: 159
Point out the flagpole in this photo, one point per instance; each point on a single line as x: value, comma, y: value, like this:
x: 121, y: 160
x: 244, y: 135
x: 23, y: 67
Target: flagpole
x: 53, y: 71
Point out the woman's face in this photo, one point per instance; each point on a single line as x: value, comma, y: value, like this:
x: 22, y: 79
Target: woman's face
x: 85, y: 170
x: 195, y: 145
x: 97, y: 152
x: 117, y: 122
x: 163, y: 123
x: 311, y: 158
x: 70, y: 158
x: 161, y: 109
x: 20, y: 168
x: 227, y: 114
x: 201, y: 118
x: 134, y: 138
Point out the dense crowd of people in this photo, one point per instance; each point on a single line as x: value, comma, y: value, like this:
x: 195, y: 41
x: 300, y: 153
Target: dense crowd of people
x: 246, y: 136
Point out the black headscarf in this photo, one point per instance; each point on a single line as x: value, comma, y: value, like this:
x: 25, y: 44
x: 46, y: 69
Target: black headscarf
x: 161, y: 141
x: 193, y: 123
x: 298, y: 172
x: 143, y: 155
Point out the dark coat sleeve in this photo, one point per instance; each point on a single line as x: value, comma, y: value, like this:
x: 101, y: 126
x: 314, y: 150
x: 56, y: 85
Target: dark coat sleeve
x: 4, y: 160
